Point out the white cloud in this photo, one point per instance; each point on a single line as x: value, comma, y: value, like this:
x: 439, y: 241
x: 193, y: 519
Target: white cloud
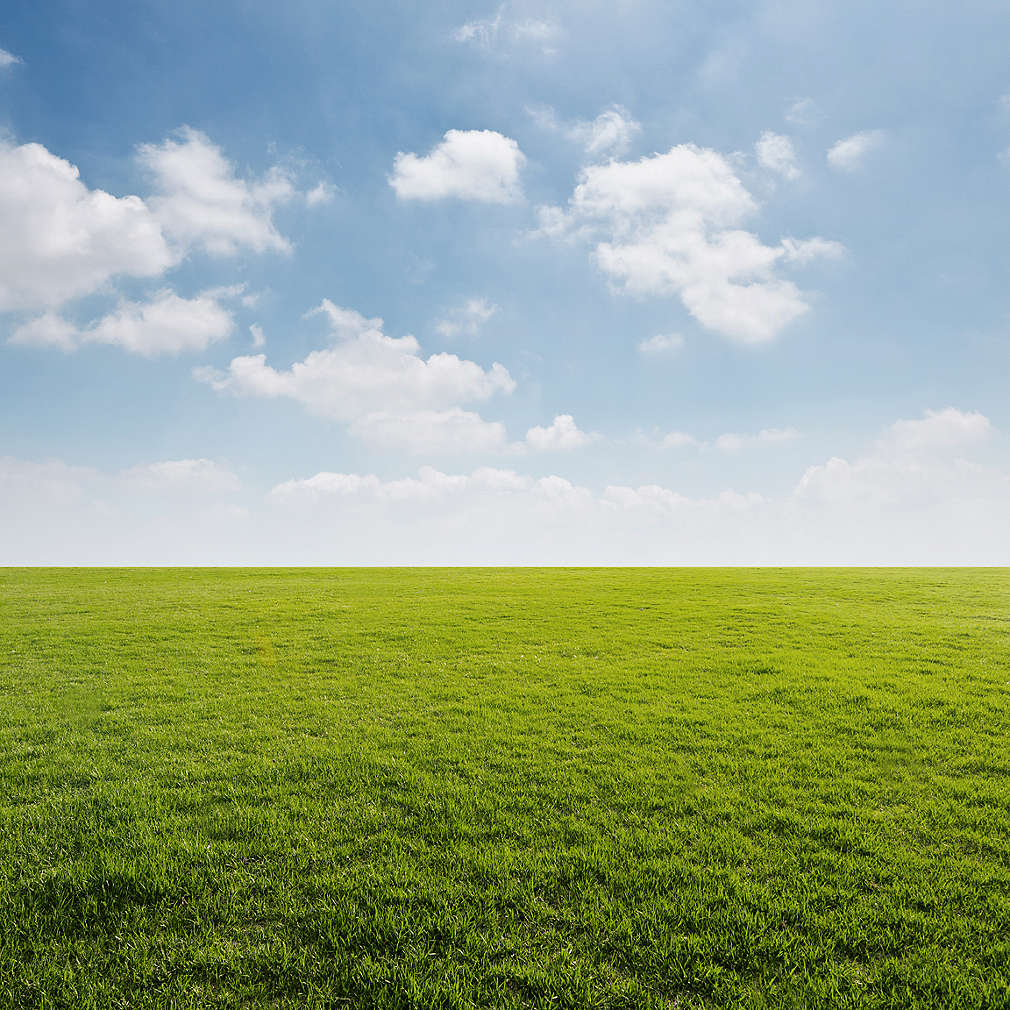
x: 479, y: 165
x: 467, y: 319
x: 380, y: 386
x: 661, y: 499
x: 452, y: 430
x: 912, y: 498
x: 561, y: 433
x: 183, y: 475
x: 775, y: 153
x: 8, y: 59
x: 849, y: 153
x: 505, y: 28
x: 609, y: 134
x: 485, y: 484
x: 47, y: 330
x: 678, y: 440
x: 201, y: 202
x: 806, y: 250
x: 906, y: 487
x: 668, y: 225
x: 802, y: 112
x: 645, y: 496
x: 661, y: 343
x: 61, y: 240
x: 345, y: 324
x: 322, y: 193
x: 167, y: 324
x: 169, y: 512
x: 916, y: 463
x: 949, y: 428
x: 258, y: 336
x: 430, y: 484
x: 733, y: 442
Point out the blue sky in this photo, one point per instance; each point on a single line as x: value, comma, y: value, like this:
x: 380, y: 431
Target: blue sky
x: 582, y: 282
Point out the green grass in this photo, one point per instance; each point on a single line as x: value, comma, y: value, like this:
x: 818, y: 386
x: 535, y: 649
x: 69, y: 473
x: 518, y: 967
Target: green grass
x: 508, y: 788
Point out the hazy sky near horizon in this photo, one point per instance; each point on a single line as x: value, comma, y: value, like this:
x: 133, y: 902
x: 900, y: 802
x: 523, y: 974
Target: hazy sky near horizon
x: 625, y: 282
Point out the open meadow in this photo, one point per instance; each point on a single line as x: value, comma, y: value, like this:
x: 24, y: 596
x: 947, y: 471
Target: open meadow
x: 507, y: 788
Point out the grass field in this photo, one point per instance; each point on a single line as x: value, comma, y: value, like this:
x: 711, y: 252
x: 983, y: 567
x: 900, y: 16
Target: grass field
x: 508, y: 788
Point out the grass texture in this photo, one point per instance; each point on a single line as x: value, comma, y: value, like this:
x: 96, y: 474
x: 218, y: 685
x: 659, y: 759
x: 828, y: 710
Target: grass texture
x: 504, y: 788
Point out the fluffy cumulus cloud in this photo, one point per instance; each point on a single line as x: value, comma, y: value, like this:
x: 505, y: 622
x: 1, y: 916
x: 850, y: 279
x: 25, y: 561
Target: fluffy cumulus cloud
x: 201, y: 202
x: 776, y: 153
x: 562, y: 433
x: 849, y: 153
x: 669, y: 224
x: 467, y: 319
x: 166, y: 324
x: 478, y: 165
x: 8, y: 59
x: 61, y: 240
x: 944, y: 429
x: 381, y: 386
x: 916, y: 463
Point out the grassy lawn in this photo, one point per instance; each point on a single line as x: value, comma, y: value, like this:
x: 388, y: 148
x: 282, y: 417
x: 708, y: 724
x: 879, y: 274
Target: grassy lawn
x: 508, y: 788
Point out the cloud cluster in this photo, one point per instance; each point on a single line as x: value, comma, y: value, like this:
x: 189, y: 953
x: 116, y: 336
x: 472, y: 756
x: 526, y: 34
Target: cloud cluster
x: 200, y: 202
x: 563, y: 433
x: 62, y: 241
x: 668, y: 224
x: 914, y: 497
x: 431, y: 486
x: 381, y: 386
x: 166, y: 324
x: 916, y: 462
x: 479, y: 165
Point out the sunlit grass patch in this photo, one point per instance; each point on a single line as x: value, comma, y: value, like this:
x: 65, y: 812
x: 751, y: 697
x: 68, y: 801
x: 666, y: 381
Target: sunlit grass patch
x: 504, y: 788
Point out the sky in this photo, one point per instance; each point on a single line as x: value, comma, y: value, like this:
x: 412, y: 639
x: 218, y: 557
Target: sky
x: 634, y: 282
